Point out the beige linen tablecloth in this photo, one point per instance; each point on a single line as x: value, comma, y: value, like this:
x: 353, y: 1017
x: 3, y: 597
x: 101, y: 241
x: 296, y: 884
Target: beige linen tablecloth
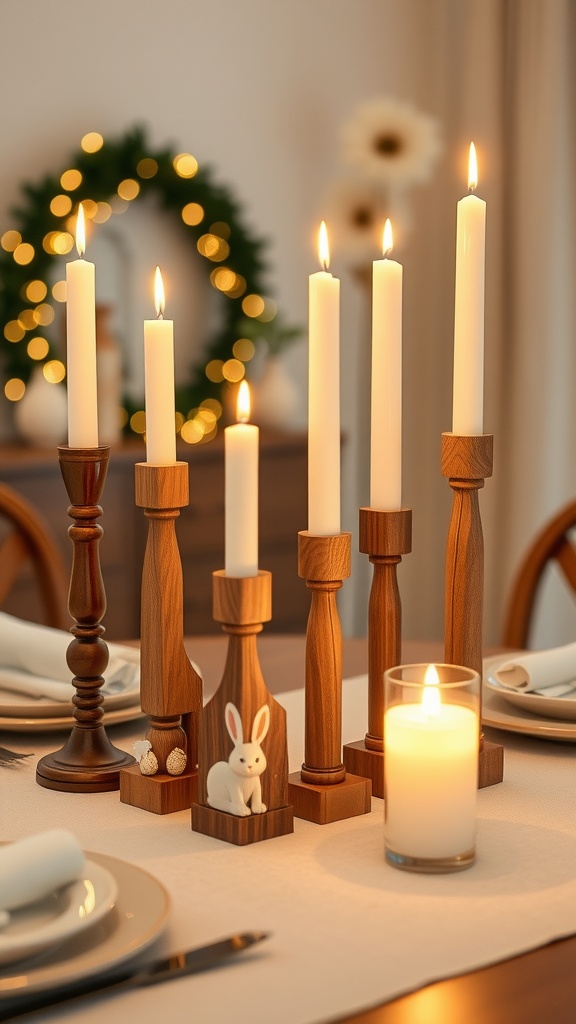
x: 348, y: 931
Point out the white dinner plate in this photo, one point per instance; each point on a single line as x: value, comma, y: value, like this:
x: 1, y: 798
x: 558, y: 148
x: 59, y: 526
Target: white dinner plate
x: 499, y: 712
x: 63, y: 913
x: 19, y: 705
x: 138, y: 917
x: 13, y: 724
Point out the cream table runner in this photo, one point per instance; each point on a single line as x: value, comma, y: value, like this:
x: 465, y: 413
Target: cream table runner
x: 348, y: 930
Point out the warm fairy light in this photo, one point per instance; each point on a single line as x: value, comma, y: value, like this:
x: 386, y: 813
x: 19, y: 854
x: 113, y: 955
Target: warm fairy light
x: 323, y: 249
x: 387, y: 238
x: 80, y: 231
x: 243, y: 403
x: 92, y: 142
x: 128, y: 189
x: 159, y: 296
x: 431, y: 693
x: 233, y: 370
x: 472, y: 168
x: 253, y: 305
x: 185, y: 165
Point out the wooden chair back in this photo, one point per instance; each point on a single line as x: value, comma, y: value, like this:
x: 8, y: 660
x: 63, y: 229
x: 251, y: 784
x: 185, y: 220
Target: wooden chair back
x: 26, y: 539
x: 552, y: 544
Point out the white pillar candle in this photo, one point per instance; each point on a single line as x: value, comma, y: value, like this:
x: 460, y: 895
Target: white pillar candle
x: 386, y: 403
x: 241, y: 491
x: 81, y: 346
x: 324, y: 399
x: 159, y: 384
x: 468, y: 398
x: 431, y: 768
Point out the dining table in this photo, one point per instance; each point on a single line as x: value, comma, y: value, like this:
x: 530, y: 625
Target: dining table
x: 352, y: 939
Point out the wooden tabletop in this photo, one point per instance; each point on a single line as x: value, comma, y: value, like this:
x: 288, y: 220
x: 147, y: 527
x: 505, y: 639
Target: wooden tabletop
x: 528, y: 989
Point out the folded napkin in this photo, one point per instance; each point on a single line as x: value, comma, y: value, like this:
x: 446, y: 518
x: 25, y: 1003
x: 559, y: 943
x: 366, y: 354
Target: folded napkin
x: 552, y: 672
x: 32, y: 868
x: 33, y: 661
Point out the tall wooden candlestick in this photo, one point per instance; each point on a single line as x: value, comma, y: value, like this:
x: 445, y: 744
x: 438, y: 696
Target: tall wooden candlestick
x: 323, y: 791
x: 242, y: 749
x: 384, y: 537
x: 88, y: 762
x: 467, y: 461
x: 169, y: 685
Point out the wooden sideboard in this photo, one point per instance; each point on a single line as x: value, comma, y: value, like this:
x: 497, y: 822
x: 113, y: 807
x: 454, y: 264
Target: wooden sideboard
x: 36, y: 474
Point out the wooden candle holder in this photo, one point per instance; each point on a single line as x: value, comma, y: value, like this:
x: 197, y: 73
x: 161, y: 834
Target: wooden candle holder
x: 88, y: 762
x: 242, y: 605
x: 467, y: 461
x: 323, y: 791
x: 170, y: 688
x: 384, y: 537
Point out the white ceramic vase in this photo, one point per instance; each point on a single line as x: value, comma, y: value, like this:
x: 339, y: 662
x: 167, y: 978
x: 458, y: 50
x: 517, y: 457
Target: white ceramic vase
x: 41, y: 415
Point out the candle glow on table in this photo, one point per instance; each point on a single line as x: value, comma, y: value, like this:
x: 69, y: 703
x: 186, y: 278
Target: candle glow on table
x: 81, y: 346
x: 386, y: 401
x: 324, y: 398
x: 431, y: 772
x: 468, y: 397
x: 159, y: 383
x: 241, y: 491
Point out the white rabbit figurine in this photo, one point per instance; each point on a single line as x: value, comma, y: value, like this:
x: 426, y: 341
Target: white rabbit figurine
x: 235, y: 783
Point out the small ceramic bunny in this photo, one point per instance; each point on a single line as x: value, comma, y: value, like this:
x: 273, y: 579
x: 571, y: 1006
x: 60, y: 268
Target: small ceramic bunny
x: 234, y: 784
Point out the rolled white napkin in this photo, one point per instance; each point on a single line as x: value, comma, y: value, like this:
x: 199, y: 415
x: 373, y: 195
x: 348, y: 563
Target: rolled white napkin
x: 32, y: 868
x: 552, y: 671
x: 33, y: 661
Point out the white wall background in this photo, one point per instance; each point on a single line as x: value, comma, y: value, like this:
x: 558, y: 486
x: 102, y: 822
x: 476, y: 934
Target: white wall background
x: 260, y: 90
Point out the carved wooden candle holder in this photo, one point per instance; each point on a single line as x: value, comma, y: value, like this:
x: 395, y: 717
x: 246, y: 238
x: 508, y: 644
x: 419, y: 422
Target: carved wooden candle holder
x: 323, y: 791
x: 242, y: 747
x: 467, y: 461
x: 88, y: 762
x: 170, y: 688
x: 384, y: 537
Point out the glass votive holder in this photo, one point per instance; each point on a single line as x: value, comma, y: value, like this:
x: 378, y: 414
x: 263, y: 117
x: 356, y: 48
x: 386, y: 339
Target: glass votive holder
x: 431, y: 743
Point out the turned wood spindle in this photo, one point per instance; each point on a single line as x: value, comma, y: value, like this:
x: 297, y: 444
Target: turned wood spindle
x: 467, y: 462
x: 88, y: 762
x: 169, y: 685
x: 384, y: 536
x: 323, y: 791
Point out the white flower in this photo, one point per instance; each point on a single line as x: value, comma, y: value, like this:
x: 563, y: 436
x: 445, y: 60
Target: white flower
x: 392, y: 142
x: 356, y: 212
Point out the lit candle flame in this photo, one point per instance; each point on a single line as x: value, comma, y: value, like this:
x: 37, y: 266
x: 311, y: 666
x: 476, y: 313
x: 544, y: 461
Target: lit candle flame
x: 431, y: 700
x: 323, y: 249
x: 243, y: 403
x: 387, y: 238
x: 80, y: 231
x: 472, y: 168
x: 159, y: 297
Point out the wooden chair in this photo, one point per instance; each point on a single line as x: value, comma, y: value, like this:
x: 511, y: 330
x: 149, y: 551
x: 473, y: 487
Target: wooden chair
x: 26, y: 538
x: 552, y: 544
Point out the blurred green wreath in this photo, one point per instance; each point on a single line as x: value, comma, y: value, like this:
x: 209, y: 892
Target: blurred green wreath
x: 106, y: 176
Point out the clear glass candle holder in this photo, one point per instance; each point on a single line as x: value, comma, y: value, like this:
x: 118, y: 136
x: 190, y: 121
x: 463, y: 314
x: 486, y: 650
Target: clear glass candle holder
x: 431, y: 743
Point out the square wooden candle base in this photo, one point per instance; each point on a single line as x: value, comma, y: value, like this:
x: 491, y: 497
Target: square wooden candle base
x: 490, y: 765
x: 323, y: 804
x: 359, y: 760
x: 160, y: 794
x: 370, y: 763
x: 242, y: 831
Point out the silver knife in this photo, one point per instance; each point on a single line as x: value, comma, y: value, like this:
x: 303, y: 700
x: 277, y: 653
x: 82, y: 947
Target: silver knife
x: 176, y: 966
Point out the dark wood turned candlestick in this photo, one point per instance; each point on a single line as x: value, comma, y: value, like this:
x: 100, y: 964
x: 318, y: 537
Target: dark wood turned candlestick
x: 242, y: 605
x: 467, y: 461
x: 384, y: 536
x: 170, y: 688
x: 88, y: 762
x: 323, y: 791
